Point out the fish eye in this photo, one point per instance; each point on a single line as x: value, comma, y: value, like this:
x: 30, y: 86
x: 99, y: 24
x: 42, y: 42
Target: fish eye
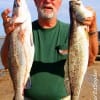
x: 77, y: 3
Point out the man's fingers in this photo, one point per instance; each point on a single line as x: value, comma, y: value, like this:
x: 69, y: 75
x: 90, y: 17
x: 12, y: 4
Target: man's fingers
x: 5, y: 17
x: 5, y: 13
x: 88, y: 21
x: 63, y: 52
x: 11, y: 27
x: 17, y: 24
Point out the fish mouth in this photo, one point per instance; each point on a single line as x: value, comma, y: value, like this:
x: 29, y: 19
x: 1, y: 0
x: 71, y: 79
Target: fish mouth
x: 80, y: 11
x: 75, y: 4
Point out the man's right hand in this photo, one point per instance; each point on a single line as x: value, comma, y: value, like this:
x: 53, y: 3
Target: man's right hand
x: 8, y: 26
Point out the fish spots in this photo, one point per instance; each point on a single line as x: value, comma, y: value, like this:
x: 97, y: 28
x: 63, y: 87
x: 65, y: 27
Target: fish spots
x: 21, y: 35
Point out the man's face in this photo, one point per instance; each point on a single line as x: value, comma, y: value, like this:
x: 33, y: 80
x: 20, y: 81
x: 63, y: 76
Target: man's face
x: 47, y: 8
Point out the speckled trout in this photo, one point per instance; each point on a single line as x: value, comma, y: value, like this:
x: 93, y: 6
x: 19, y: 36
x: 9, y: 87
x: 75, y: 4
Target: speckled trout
x: 21, y: 48
x: 78, y: 53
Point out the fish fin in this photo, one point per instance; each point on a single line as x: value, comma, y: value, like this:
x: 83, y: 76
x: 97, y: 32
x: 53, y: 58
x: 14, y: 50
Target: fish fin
x: 28, y: 84
x: 21, y: 35
x: 31, y: 39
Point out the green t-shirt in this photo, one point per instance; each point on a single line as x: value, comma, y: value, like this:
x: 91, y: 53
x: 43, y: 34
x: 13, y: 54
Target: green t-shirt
x: 47, y: 73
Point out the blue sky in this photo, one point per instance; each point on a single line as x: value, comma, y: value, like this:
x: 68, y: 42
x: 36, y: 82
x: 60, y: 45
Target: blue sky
x: 63, y: 14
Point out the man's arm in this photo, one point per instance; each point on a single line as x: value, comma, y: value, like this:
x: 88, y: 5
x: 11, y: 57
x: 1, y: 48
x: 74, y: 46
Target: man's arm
x: 93, y: 36
x: 93, y: 40
x: 4, y: 52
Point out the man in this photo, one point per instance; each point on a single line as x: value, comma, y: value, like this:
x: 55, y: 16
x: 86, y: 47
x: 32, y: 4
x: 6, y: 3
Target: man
x: 51, y: 44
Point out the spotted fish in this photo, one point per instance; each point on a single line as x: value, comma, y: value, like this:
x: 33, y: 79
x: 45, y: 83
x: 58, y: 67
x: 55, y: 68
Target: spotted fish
x: 21, y: 48
x: 78, y: 53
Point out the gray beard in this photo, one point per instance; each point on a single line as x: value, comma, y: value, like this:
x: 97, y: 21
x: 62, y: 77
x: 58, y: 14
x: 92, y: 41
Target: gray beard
x: 46, y: 15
